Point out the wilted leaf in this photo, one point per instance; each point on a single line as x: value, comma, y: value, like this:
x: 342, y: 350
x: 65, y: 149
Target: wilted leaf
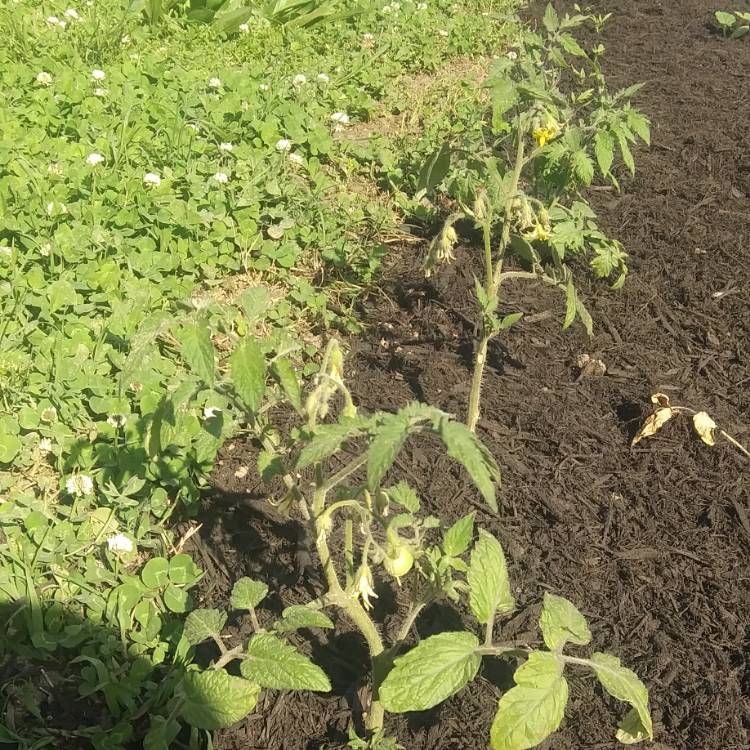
x: 624, y: 684
x: 654, y: 422
x: 705, y: 427
x: 661, y: 399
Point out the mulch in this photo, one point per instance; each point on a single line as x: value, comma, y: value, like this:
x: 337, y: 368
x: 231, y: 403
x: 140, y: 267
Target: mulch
x: 651, y: 542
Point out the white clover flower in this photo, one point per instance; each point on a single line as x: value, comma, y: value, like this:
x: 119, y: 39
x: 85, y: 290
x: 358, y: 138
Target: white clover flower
x: 45, y: 249
x: 323, y: 78
x: 55, y: 169
x: 98, y: 75
x: 244, y: 28
x: 117, y: 420
x: 299, y: 79
x: 135, y: 386
x: 226, y: 147
x: 72, y: 13
x: 6, y: 252
x: 79, y: 485
x: 296, y: 159
x: 93, y: 159
x: 50, y: 207
x: 120, y: 543
x: 222, y: 178
x: 209, y: 412
x: 283, y: 145
x: 192, y: 126
x: 421, y: 6
x: 368, y: 39
x: 43, y: 78
x: 125, y: 39
x: 150, y: 178
x: 45, y: 445
x: 62, y: 25
x: 340, y: 117
x: 49, y: 415
x: 53, y: 20
x: 443, y: 33
x: 512, y: 54
x: 264, y: 87
x: 214, y: 83
x: 100, y: 92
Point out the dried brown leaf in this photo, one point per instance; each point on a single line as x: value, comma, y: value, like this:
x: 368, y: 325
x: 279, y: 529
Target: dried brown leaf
x: 705, y: 427
x: 653, y: 423
x: 661, y: 399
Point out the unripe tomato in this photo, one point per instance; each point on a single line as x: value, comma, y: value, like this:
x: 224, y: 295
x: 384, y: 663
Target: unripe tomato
x: 398, y: 561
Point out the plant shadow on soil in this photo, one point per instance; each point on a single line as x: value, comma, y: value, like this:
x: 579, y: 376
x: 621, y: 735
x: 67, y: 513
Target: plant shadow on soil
x: 652, y: 543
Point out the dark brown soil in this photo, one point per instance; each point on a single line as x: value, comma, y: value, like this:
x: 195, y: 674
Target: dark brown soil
x: 652, y: 542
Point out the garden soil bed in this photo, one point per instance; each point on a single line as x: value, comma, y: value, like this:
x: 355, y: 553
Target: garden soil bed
x: 652, y: 542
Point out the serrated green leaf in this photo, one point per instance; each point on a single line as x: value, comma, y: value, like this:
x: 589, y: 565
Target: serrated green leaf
x: 561, y: 622
x: 326, y: 441
x: 523, y: 249
x: 571, y: 46
x: 585, y: 315
x: 604, y: 148
x: 299, y: 616
x: 214, y: 699
x: 197, y: 350
x: 534, y: 708
x: 273, y: 663
x: 386, y: 445
x: 255, y: 301
x: 625, y: 685
x: 284, y: 374
x: 431, y: 672
x: 405, y: 496
x: 570, y: 303
x: 627, y: 155
x: 247, y: 593
x: 247, y: 366
x: 504, y: 97
x: 464, y: 446
x: 510, y: 320
x: 639, y: 124
x: 550, y: 19
x: 458, y: 537
x: 583, y: 166
x: 202, y: 624
x: 489, y: 585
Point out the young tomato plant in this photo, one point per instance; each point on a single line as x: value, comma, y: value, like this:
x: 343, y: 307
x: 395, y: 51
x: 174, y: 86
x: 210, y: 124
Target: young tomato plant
x: 362, y: 530
x: 523, y: 191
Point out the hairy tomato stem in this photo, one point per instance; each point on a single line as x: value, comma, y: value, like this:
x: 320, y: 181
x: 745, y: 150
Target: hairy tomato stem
x: 493, y: 281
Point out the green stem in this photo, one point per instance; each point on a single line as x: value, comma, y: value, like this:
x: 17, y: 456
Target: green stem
x: 349, y: 550
x: 345, y: 601
x: 414, y: 612
x: 493, y: 281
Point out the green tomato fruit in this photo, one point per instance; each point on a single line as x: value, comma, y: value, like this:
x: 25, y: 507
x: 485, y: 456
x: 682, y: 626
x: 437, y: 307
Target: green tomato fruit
x: 398, y: 561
